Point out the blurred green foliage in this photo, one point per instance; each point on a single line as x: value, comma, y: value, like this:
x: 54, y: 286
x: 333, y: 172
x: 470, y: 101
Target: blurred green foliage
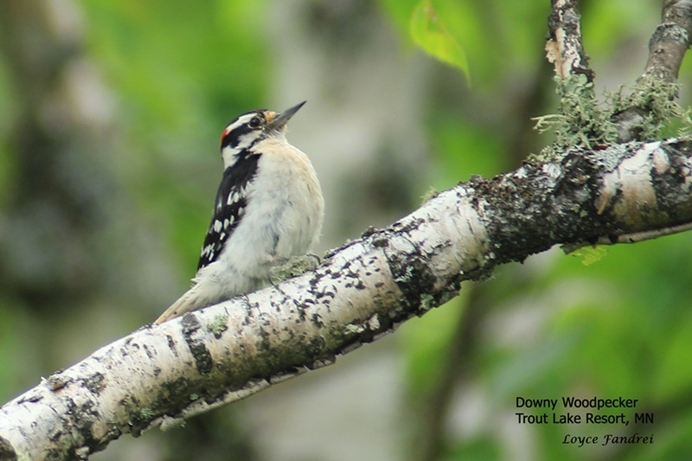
x: 181, y: 70
x: 496, y: 36
x: 429, y: 32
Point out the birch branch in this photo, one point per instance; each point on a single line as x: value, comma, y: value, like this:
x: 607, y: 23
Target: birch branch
x: 669, y: 41
x: 564, y: 48
x: 159, y: 376
x: 667, y: 48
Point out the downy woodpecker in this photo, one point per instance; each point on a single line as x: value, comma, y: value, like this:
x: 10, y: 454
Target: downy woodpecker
x: 268, y: 208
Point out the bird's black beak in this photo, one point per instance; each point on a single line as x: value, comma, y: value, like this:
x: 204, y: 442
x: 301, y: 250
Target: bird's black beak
x: 281, y: 119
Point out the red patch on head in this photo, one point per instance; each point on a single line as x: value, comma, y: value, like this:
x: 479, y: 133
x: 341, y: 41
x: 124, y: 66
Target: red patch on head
x: 225, y: 132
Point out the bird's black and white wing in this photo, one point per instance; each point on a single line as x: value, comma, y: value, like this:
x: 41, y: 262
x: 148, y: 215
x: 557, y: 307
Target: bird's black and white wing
x: 229, y: 206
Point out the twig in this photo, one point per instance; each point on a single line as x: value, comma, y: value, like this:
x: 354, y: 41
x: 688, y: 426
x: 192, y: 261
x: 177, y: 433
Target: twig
x: 564, y: 47
x: 669, y: 41
x: 656, y: 85
x: 634, y: 237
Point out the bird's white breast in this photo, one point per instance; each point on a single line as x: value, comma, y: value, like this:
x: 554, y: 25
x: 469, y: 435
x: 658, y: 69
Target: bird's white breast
x: 284, y: 212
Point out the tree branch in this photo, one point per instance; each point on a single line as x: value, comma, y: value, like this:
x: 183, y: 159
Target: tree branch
x: 670, y: 41
x: 667, y: 48
x: 564, y: 47
x: 159, y: 376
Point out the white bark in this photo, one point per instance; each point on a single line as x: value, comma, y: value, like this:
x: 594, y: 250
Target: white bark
x: 158, y: 376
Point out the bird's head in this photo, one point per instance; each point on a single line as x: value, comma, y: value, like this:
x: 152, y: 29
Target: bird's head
x: 249, y: 128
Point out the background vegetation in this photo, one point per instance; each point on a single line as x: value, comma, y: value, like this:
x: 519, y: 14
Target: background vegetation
x: 110, y: 114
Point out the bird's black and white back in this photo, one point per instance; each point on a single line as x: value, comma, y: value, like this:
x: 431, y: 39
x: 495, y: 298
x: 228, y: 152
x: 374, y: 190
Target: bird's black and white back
x: 268, y: 208
x: 229, y: 206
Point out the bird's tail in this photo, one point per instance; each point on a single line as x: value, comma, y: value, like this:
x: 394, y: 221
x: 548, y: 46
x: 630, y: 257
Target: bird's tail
x: 188, y: 302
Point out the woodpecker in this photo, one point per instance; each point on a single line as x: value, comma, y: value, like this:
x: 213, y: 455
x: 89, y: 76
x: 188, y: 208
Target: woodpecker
x: 268, y: 208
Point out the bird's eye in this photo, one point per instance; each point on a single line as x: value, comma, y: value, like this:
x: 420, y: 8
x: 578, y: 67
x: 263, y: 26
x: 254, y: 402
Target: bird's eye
x: 255, y: 122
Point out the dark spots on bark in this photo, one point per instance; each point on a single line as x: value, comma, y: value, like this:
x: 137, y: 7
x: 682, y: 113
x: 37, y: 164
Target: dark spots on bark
x: 302, y: 316
x: 413, y: 277
x: 380, y: 242
x: 671, y: 192
x: 148, y: 352
x: 57, y: 381
x: 315, y: 348
x: 171, y: 345
x: 325, y: 294
x: 317, y: 320
x: 175, y: 388
x: 95, y: 383
x: 198, y: 349
x: 7, y: 452
x: 82, y: 419
x: 56, y: 454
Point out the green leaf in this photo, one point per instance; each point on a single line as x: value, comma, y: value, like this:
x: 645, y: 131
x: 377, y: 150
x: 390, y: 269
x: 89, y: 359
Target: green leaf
x: 429, y: 32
